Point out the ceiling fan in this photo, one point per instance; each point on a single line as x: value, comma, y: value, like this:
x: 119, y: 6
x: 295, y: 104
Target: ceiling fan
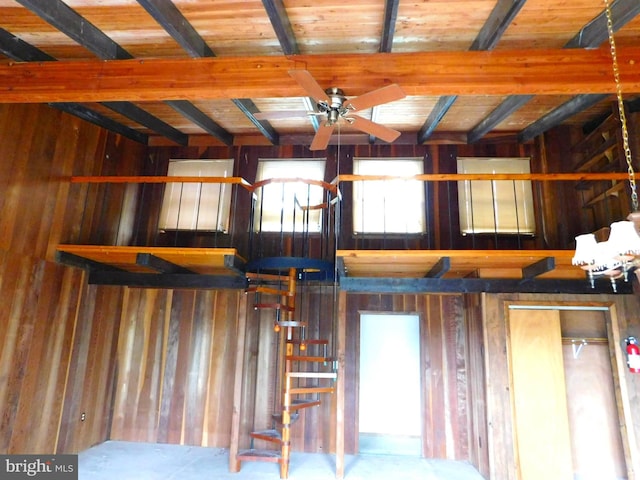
x: 335, y: 106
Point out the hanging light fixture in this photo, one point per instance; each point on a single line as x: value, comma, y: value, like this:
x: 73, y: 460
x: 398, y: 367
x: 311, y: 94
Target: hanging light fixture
x: 619, y: 255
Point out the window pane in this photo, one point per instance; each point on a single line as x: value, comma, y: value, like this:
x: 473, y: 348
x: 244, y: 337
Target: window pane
x: 388, y: 206
x: 279, y: 202
x: 497, y: 206
x: 197, y: 206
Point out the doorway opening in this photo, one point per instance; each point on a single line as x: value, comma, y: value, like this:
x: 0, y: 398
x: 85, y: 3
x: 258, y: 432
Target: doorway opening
x: 563, y: 393
x: 390, y: 413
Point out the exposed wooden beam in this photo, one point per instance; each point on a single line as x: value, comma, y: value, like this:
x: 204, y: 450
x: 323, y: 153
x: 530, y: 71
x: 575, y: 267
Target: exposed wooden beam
x: 594, y: 33
x: 23, y: 51
x: 77, y: 261
x: 590, y: 36
x: 249, y: 108
x: 197, y: 116
x: 17, y: 49
x: 171, y: 19
x: 559, y: 115
x: 68, y: 21
x: 499, y: 20
x: 437, y: 113
x: 100, y: 120
x: 538, y: 268
x: 176, y: 24
x: 497, y: 72
x: 233, y: 263
x: 159, y: 264
x: 142, y: 117
x: 389, y: 25
x: 502, y: 111
x: 476, y: 285
x: 282, y: 26
x: 254, y: 139
x: 440, y: 268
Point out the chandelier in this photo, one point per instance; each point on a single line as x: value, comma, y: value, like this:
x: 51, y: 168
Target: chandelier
x: 619, y: 255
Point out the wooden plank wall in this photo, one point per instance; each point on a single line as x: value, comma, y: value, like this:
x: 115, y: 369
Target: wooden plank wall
x: 500, y: 420
x: 478, y: 435
x: 57, y: 334
x: 445, y: 365
x: 175, y: 363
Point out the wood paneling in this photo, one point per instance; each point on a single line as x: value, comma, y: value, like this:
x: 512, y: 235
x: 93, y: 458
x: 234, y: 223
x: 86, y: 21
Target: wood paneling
x: 444, y: 363
x: 57, y: 334
x: 176, y: 357
x: 476, y: 378
x: 500, y: 418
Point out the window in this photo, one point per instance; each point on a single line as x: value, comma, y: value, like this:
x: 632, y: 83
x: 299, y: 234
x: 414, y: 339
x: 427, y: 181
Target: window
x: 388, y: 206
x: 495, y: 206
x: 197, y: 206
x: 278, y: 203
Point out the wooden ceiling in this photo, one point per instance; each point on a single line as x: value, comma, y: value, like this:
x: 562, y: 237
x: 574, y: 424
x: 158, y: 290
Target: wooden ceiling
x: 197, y: 71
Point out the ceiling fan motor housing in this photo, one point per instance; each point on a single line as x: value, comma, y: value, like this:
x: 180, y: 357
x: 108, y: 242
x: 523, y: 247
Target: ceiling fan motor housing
x: 335, y: 107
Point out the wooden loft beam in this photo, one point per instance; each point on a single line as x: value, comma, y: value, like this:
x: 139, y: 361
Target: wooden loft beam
x: 171, y: 19
x: 72, y: 24
x: 498, y: 72
x: 477, y: 285
x: 249, y: 108
x: 594, y: 33
x: 590, y: 36
x: 20, y: 50
x: 501, y: 17
x: 282, y: 26
x: 389, y: 25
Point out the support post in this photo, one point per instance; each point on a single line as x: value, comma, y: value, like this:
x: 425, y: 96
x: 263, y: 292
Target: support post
x: 340, y: 384
x: 241, y: 330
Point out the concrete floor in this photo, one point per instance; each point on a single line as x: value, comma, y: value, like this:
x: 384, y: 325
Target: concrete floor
x: 141, y: 461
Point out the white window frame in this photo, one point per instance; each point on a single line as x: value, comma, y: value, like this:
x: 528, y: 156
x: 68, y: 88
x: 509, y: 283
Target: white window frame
x: 278, y: 199
x: 502, y: 207
x: 390, y: 206
x: 197, y: 206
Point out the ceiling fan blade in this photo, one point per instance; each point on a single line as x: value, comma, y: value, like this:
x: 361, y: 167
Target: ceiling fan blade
x: 281, y: 114
x: 387, y: 94
x: 306, y: 81
x: 379, y: 131
x: 322, y: 136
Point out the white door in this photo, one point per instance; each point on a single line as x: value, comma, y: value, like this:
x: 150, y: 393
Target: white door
x: 390, y: 417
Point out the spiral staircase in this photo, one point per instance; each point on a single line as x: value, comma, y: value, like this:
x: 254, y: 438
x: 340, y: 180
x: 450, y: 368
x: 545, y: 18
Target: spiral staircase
x: 304, y: 370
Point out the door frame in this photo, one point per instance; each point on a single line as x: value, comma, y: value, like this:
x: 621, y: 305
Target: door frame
x: 618, y: 366
x: 422, y: 355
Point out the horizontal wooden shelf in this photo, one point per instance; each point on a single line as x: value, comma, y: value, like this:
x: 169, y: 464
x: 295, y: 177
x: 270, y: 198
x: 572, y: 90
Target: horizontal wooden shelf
x: 487, y: 264
x: 208, y: 261
x: 610, y: 192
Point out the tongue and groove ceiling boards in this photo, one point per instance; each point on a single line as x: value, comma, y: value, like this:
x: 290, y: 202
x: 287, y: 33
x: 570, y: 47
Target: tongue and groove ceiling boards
x: 202, y: 72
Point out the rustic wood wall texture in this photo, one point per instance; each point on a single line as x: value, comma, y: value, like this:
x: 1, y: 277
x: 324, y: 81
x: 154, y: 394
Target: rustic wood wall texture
x: 500, y: 421
x: 58, y: 336
x: 175, y: 364
x: 445, y: 365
